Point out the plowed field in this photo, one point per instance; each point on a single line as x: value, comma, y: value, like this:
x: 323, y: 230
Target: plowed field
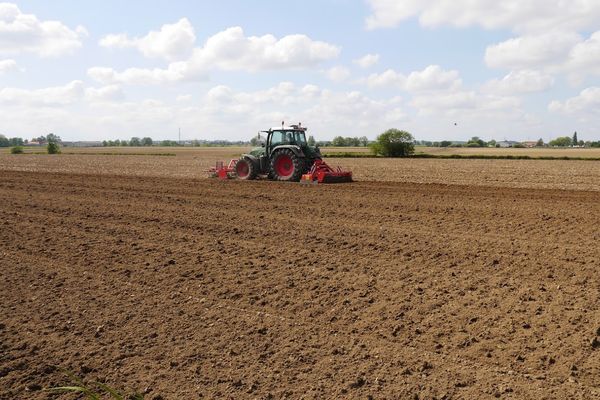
x: 191, y: 288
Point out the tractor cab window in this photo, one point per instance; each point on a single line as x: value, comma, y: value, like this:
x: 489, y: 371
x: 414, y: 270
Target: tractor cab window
x: 299, y: 137
x: 277, y: 138
x: 287, y: 137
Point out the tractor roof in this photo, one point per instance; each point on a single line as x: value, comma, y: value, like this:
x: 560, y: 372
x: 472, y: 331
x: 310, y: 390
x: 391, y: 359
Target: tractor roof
x: 287, y: 128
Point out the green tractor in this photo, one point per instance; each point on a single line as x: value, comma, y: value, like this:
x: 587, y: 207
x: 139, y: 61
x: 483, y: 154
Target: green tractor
x: 284, y: 156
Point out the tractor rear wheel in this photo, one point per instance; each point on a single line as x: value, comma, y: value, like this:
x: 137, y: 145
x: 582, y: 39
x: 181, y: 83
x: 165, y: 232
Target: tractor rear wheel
x: 245, y: 169
x: 286, y: 166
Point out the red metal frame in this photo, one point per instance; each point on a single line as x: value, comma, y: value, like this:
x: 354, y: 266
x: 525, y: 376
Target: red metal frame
x: 221, y: 171
x: 323, y: 173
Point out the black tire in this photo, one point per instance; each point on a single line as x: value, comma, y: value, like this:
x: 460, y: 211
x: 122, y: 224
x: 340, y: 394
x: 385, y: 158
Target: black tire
x: 286, y: 166
x: 245, y: 169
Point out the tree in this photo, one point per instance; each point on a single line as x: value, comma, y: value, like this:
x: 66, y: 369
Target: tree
x: 563, y: 141
x: 364, y: 141
x: 53, y: 148
x: 311, y: 141
x: 475, y: 142
x: 104, y: 143
x: 338, y: 141
x: 575, y: 139
x: 394, y: 143
x: 135, y: 141
x: 491, y: 143
x: 16, y: 150
x: 146, y: 141
x: 540, y: 143
x: 445, y: 143
x: 16, y: 141
x: 4, y: 142
x: 52, y: 138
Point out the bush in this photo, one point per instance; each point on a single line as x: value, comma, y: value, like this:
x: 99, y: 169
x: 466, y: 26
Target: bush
x: 394, y: 143
x: 16, y: 150
x: 53, y: 148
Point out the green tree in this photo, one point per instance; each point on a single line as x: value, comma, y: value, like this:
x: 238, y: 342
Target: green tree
x: 16, y: 150
x: 492, y: 143
x: 53, y: 148
x: 445, y: 143
x: 475, y: 141
x: 146, y: 141
x: 575, y: 141
x: 311, y: 141
x: 135, y: 141
x: 563, y: 141
x: 540, y: 143
x: 4, y: 142
x: 16, y: 141
x: 104, y: 143
x: 393, y: 143
x: 338, y: 141
x: 364, y: 141
x: 52, y: 138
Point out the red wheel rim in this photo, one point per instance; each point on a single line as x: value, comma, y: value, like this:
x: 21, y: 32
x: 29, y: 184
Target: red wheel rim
x: 242, y: 169
x: 284, y: 166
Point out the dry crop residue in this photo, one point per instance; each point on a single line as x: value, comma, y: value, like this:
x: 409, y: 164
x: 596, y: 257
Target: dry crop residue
x: 183, y: 287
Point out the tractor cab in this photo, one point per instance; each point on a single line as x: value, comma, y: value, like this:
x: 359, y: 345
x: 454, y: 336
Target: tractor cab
x: 293, y: 135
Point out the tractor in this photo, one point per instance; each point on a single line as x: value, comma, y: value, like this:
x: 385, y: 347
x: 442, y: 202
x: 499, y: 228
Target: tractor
x: 284, y: 156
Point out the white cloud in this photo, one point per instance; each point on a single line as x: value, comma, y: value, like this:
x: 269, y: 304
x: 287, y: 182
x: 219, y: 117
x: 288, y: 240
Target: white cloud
x: 552, y: 52
x: 7, y: 65
x: 338, y: 73
x: 184, y: 98
x: 450, y: 103
x: 104, y: 94
x: 532, y: 51
x: 432, y: 78
x: 367, y: 60
x: 172, y: 42
x: 387, y: 78
x: 21, y: 33
x: 588, y: 101
x: 523, y: 81
x: 584, y: 58
x: 229, y: 50
x: 175, y: 72
x: 515, y: 15
x: 52, y: 96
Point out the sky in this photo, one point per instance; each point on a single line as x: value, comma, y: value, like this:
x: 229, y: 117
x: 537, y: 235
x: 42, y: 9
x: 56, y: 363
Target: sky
x: 440, y: 69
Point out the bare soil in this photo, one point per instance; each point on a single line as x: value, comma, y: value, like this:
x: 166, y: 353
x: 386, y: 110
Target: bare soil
x: 192, y: 288
x: 193, y: 162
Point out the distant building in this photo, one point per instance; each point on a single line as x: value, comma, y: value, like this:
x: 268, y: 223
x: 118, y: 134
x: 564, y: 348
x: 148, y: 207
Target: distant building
x: 506, y: 143
x: 529, y: 143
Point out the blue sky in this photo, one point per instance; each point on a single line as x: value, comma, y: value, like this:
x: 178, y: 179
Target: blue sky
x: 437, y: 68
